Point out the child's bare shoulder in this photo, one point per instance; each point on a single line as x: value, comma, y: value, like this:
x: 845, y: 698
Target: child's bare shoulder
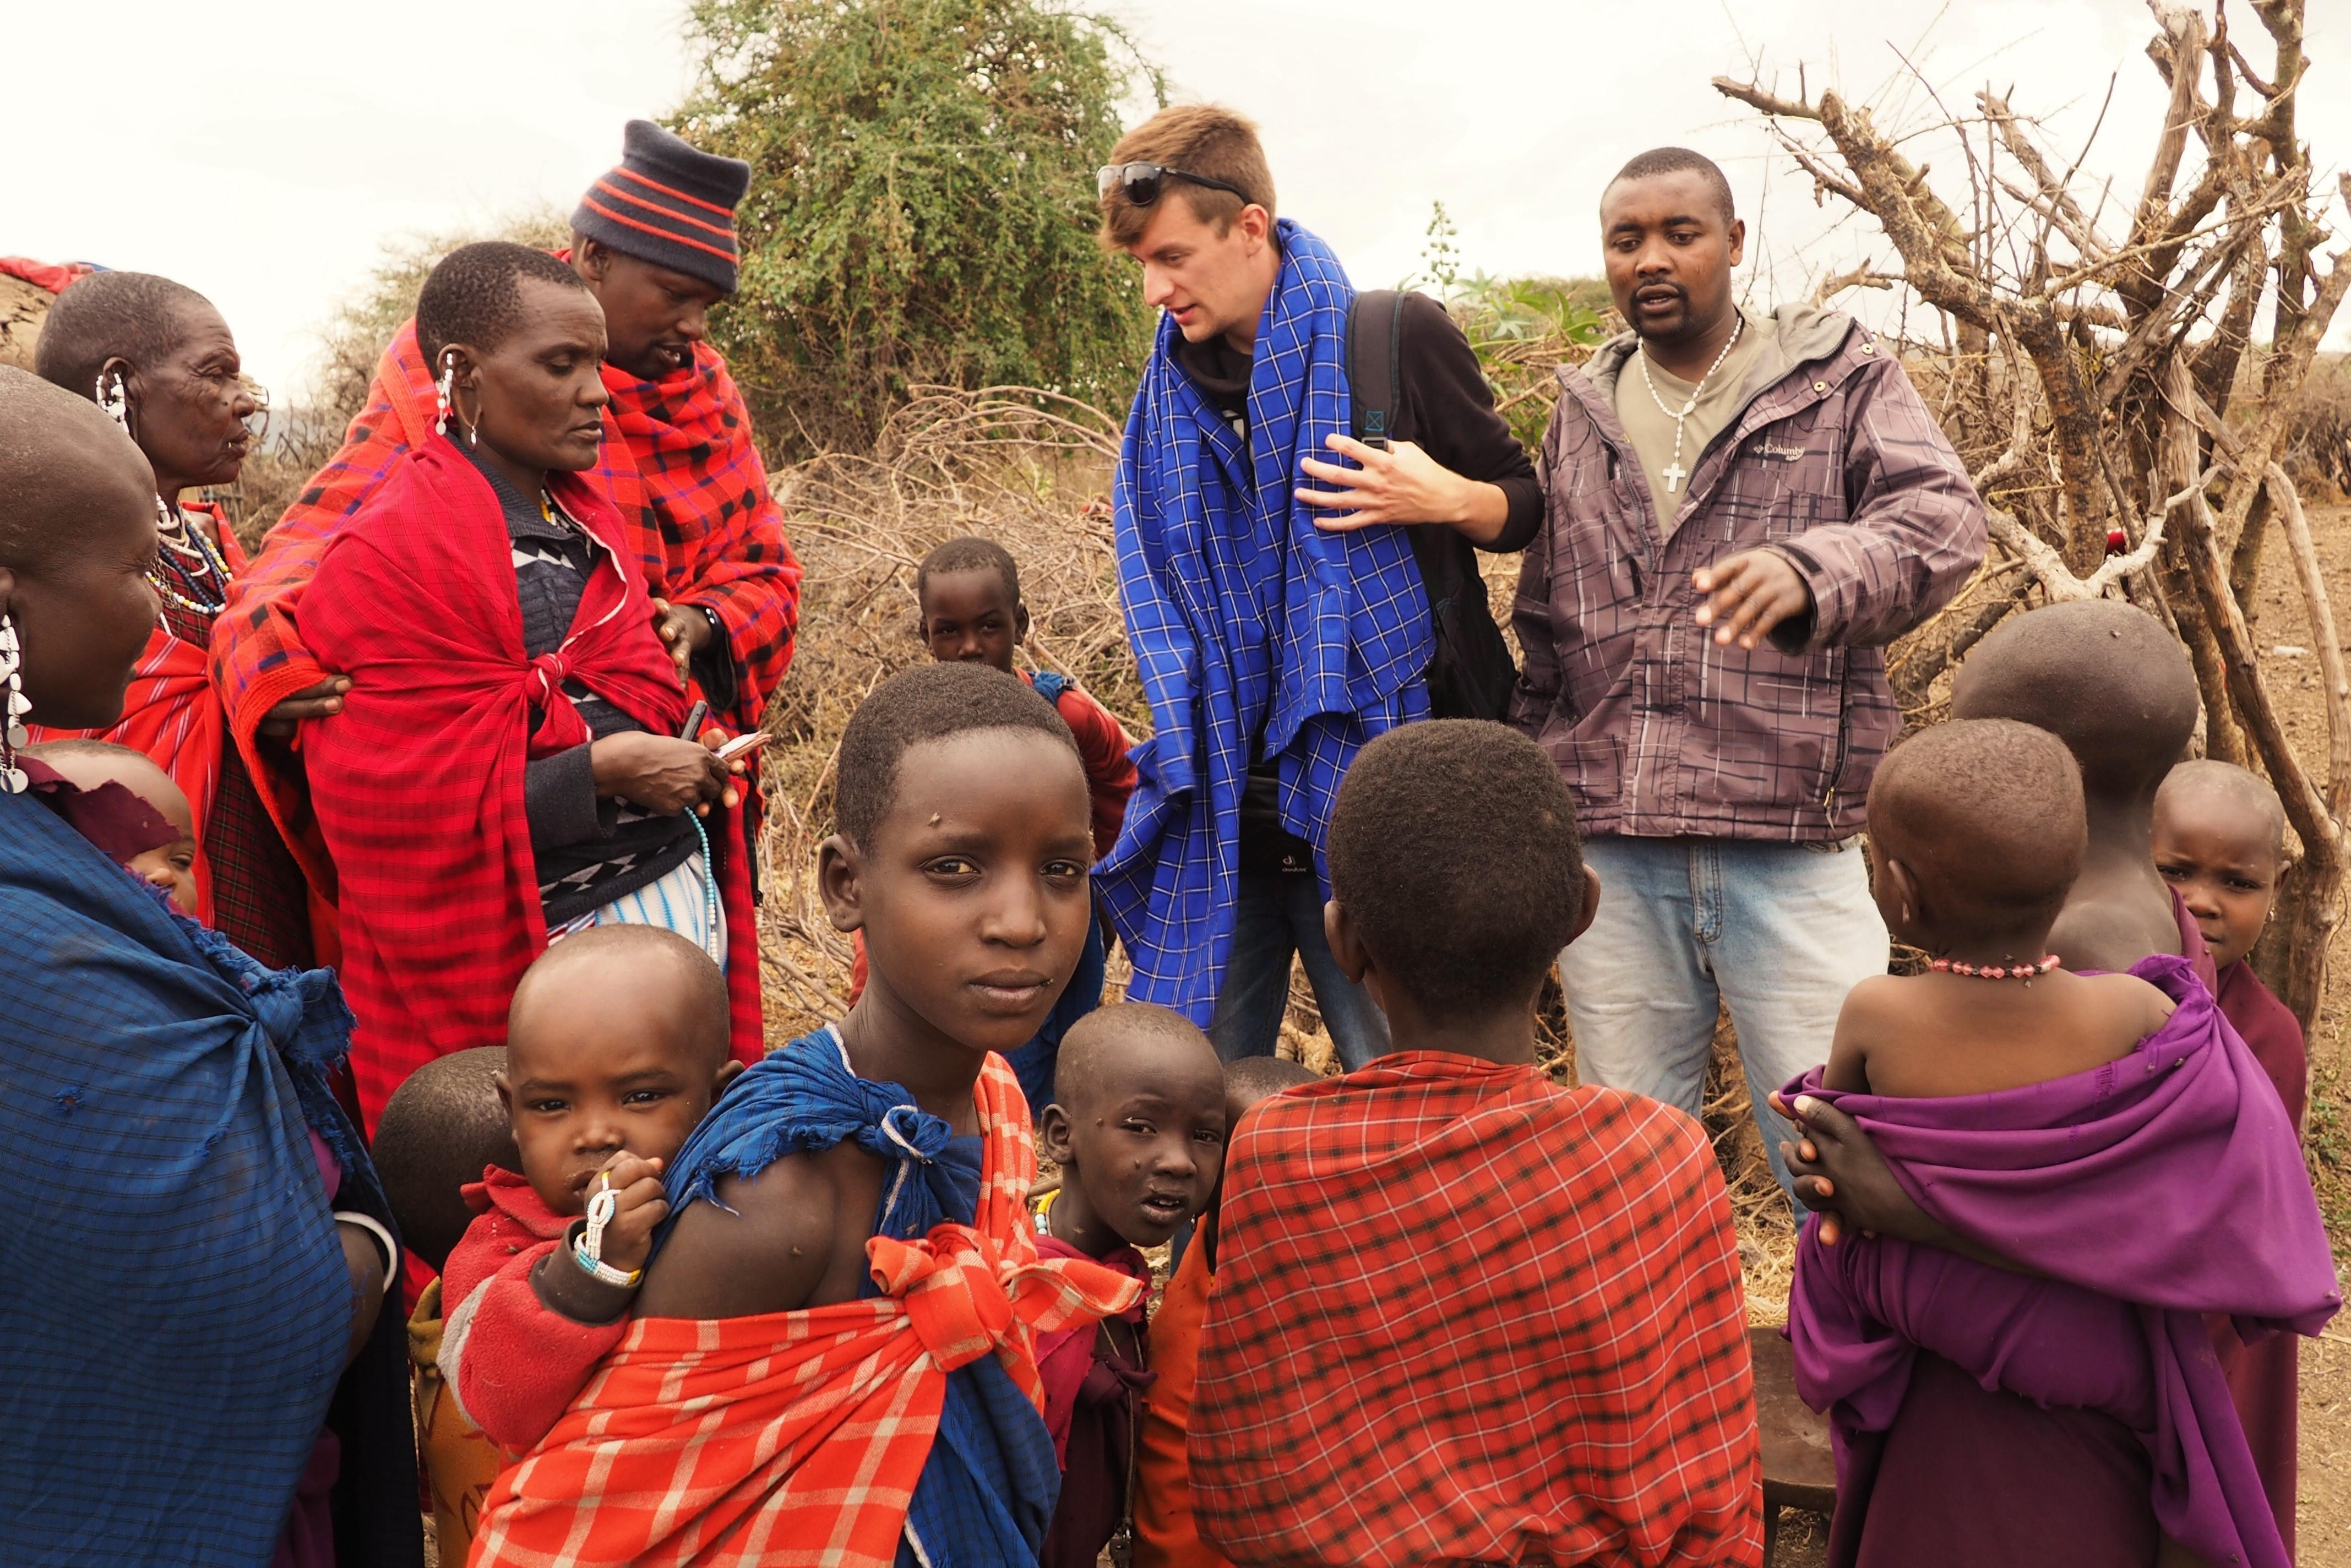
x: 2125, y: 1008
x: 771, y: 1241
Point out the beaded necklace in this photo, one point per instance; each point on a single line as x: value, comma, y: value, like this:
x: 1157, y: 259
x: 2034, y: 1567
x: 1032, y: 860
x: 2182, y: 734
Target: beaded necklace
x: 187, y: 556
x: 1674, y: 473
x: 1994, y: 971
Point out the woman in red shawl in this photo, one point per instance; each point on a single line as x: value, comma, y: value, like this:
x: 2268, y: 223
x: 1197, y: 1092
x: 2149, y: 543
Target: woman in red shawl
x: 158, y: 358
x: 507, y: 765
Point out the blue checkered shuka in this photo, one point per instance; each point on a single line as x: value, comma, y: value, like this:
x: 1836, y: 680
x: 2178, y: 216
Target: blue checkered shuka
x: 173, y: 1297
x: 1246, y: 619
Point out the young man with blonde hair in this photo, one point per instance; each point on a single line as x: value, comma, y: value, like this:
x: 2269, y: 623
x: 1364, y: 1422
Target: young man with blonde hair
x: 1287, y: 587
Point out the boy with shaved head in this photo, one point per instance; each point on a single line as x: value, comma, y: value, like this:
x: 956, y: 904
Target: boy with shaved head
x: 2106, y: 679
x: 1137, y: 1126
x: 1744, y: 509
x: 1461, y: 1313
x: 834, y: 1351
x: 2032, y: 1107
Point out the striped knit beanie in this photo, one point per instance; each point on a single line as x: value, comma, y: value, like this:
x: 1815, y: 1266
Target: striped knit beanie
x: 668, y: 204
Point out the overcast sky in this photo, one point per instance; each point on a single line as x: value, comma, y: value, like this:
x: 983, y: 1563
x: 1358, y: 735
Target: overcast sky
x: 262, y: 153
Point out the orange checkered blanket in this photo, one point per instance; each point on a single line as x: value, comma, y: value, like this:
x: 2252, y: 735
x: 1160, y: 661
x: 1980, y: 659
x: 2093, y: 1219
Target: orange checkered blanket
x: 796, y: 1437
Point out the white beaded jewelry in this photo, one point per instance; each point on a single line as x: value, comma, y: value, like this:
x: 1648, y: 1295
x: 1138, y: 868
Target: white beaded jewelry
x: 12, y: 778
x: 111, y: 399
x: 448, y: 379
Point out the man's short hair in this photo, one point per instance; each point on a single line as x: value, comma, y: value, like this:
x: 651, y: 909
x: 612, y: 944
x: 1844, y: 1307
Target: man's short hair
x: 1659, y: 160
x: 1454, y: 849
x: 1199, y: 139
x: 926, y: 703
x: 101, y: 316
x: 474, y: 296
x: 969, y: 553
x: 1988, y: 814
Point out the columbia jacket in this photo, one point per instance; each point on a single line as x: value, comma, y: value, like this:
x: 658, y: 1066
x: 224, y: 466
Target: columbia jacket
x: 1832, y: 462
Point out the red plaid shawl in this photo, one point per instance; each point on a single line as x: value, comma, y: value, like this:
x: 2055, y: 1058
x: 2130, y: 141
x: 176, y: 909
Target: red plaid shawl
x: 694, y: 507
x: 1461, y: 1313
x: 796, y: 1437
x: 170, y: 714
x: 418, y: 782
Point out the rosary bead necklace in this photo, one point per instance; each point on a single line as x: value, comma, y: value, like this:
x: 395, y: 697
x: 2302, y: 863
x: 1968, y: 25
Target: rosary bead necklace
x: 1674, y: 473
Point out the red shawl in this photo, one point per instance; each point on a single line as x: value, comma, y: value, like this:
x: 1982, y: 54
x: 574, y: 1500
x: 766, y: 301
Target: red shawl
x: 695, y: 513
x: 1463, y: 1314
x: 418, y: 782
x: 795, y: 1439
x: 170, y: 713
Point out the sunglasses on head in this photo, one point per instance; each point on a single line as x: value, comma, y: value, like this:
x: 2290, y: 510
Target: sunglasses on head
x: 1142, y: 182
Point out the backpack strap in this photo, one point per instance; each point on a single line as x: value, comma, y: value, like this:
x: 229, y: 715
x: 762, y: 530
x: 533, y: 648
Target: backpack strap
x: 1374, y: 364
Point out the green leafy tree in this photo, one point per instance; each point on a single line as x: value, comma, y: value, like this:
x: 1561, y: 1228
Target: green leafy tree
x: 922, y: 203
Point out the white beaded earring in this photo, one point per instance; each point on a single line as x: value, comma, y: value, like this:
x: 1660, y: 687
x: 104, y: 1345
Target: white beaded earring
x: 12, y: 778
x: 448, y: 379
x: 111, y: 399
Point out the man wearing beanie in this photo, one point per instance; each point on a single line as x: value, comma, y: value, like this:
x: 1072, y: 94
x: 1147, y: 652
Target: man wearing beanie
x: 654, y: 241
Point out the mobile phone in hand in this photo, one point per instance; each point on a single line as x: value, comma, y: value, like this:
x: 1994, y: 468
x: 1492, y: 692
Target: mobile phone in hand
x: 742, y: 744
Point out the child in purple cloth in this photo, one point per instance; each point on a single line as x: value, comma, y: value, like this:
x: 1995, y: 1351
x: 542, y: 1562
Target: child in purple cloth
x: 1138, y: 1126
x: 2219, y: 842
x: 2107, y: 1132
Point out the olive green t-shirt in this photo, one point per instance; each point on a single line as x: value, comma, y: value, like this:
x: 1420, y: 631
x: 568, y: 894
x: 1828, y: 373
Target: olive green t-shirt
x: 1651, y: 427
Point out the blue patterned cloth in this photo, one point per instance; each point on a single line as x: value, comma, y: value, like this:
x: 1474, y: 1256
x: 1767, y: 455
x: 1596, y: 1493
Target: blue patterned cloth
x: 173, y: 1297
x: 1247, y: 620
x: 989, y: 1488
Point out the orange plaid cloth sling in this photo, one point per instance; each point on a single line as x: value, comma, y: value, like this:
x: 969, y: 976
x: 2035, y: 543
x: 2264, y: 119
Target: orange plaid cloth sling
x: 796, y: 1437
x: 1463, y: 1314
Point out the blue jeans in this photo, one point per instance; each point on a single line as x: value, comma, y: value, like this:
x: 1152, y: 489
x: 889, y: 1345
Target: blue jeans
x: 1779, y: 932
x: 1276, y: 915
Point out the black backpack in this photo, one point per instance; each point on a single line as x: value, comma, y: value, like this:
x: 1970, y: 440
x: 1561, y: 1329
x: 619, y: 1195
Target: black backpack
x: 1471, y: 673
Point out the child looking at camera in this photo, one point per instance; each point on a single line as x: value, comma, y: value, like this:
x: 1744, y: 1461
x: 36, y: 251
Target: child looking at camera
x: 2219, y: 842
x: 616, y: 1046
x: 967, y: 592
x: 1137, y: 1126
x: 839, y: 1324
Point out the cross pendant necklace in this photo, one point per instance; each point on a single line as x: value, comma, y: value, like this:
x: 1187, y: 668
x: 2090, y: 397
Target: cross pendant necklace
x: 1672, y: 473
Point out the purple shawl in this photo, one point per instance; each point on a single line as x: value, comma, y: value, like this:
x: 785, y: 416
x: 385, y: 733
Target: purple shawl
x: 2150, y: 1191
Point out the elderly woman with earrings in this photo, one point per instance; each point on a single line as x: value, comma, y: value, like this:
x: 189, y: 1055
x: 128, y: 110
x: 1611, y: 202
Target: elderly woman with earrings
x: 159, y: 359
x: 516, y: 758
x: 197, y: 1249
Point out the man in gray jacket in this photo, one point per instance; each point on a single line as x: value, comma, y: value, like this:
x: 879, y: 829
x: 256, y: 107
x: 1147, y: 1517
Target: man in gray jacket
x: 1741, y: 512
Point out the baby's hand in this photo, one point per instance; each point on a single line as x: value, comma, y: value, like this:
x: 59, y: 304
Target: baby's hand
x: 641, y: 1206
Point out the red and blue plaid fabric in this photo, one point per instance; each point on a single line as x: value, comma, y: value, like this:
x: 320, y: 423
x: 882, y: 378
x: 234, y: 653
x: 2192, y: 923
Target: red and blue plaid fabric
x: 1461, y: 1315
x: 1246, y: 620
x: 693, y: 492
x: 801, y: 1438
x: 418, y: 781
x: 694, y: 503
